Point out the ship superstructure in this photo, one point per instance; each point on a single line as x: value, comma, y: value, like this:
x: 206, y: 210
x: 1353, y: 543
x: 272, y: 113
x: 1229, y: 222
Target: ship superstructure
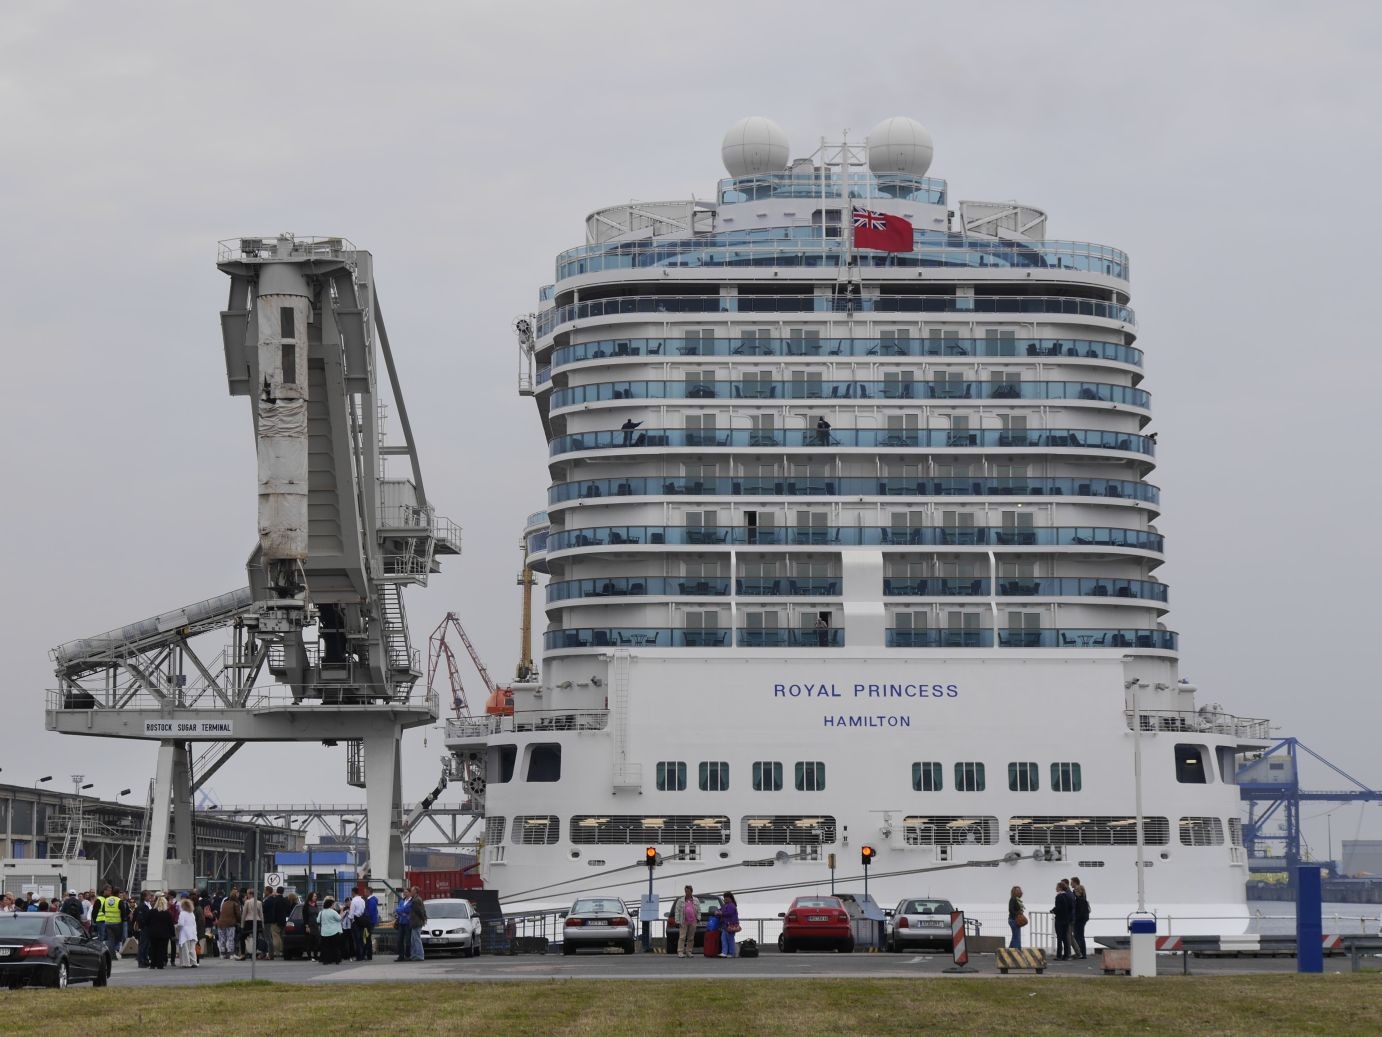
x: 849, y: 547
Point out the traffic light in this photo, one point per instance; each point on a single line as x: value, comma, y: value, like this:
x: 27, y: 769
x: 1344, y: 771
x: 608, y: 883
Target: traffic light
x: 650, y: 857
x: 867, y: 854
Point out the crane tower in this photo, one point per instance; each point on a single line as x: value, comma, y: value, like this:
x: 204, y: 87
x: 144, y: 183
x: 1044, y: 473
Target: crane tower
x: 319, y: 645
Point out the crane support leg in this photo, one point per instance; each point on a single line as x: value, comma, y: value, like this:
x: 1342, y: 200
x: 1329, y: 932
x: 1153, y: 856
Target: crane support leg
x: 384, y: 804
x: 172, y: 815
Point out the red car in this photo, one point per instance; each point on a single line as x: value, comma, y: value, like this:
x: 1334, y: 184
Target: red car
x: 816, y: 922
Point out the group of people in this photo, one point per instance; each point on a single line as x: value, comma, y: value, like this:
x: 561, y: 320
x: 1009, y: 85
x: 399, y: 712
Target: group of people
x: 721, y: 926
x: 341, y: 930
x: 1069, y: 915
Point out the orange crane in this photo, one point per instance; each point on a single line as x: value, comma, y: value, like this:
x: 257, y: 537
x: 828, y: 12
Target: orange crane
x: 500, y: 700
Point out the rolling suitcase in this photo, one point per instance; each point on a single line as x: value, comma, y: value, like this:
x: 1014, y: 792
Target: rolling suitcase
x: 711, y: 948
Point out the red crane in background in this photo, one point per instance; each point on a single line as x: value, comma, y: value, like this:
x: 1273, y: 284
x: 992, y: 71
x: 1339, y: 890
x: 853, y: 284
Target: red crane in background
x: 500, y: 700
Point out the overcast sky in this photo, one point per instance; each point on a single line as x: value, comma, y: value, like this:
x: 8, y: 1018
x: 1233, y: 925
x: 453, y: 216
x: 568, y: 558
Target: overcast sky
x: 1231, y: 148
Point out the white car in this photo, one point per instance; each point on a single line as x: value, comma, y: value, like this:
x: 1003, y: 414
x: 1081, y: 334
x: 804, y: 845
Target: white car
x: 919, y: 922
x: 452, y: 925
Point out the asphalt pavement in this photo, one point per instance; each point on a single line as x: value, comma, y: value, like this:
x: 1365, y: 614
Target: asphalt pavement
x: 597, y: 965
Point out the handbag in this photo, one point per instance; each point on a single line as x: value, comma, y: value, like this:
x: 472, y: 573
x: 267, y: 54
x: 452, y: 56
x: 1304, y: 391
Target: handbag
x: 736, y: 927
x: 1021, y: 919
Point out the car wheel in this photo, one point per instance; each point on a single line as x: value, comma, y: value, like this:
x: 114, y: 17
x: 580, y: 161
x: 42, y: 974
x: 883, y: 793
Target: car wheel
x: 59, y: 977
x: 568, y: 948
x: 847, y: 947
x: 102, y: 976
x: 629, y: 946
x: 788, y: 947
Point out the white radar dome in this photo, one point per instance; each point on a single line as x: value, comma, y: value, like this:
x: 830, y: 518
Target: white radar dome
x: 754, y: 145
x: 900, y: 145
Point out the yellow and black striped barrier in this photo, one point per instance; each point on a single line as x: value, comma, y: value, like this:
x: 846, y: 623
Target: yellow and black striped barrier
x: 1013, y: 958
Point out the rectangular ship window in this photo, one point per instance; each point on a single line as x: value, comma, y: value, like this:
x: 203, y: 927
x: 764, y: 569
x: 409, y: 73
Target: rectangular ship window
x: 784, y: 830
x: 671, y: 776
x: 536, y: 830
x: 1022, y: 777
x: 949, y: 831
x: 1087, y: 831
x: 969, y: 777
x: 714, y: 776
x: 810, y: 776
x: 1065, y: 777
x: 926, y: 777
x: 1201, y: 831
x: 767, y: 776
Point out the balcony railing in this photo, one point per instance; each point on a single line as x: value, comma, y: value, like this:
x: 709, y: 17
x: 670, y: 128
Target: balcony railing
x: 824, y: 586
x: 929, y: 251
x: 1206, y: 720
x: 632, y: 348
x: 1045, y: 637
x: 867, y: 536
x: 852, y: 486
x: 834, y: 637
x: 629, y: 305
x: 1101, y: 392
x: 528, y: 720
x: 1025, y: 587
x: 876, y: 438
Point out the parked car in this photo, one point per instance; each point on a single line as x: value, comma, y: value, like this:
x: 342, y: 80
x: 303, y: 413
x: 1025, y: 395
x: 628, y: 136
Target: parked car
x: 598, y: 922
x: 294, y: 934
x: 704, y: 904
x: 452, y: 925
x: 919, y: 922
x: 50, y: 950
x: 816, y: 922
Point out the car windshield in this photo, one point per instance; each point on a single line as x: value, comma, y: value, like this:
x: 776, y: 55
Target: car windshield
x: 448, y: 910
x: 817, y: 902
x: 926, y: 907
x: 29, y: 924
x: 597, y: 907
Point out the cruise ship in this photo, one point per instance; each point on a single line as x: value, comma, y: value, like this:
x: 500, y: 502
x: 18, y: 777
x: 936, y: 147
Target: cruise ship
x: 850, y: 541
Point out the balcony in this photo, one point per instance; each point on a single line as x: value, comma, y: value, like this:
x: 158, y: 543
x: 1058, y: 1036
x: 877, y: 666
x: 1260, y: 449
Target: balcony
x: 1040, y: 348
x: 875, y: 438
x: 866, y: 536
x: 851, y: 486
x: 789, y: 637
x: 1026, y: 587
x: 787, y: 249
x: 1045, y: 637
x: 1100, y: 392
x: 631, y: 305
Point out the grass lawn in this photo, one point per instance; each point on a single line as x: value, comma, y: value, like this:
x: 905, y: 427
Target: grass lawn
x: 1258, y: 1005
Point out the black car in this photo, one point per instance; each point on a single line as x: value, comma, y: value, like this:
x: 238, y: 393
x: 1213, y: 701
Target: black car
x: 50, y: 950
x: 704, y: 905
x: 294, y: 934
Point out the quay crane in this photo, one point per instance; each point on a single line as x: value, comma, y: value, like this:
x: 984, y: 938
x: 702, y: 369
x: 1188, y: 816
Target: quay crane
x: 338, y: 540
x: 1270, y: 785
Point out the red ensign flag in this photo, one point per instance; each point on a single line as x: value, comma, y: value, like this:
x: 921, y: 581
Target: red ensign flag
x: 882, y: 231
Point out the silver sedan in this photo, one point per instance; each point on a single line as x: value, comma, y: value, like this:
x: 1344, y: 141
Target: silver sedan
x: 919, y: 922
x: 598, y: 922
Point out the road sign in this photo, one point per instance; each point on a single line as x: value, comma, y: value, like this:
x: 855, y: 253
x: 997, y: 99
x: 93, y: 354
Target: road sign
x: 274, y: 879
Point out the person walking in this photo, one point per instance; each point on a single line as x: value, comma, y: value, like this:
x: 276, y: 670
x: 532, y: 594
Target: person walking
x: 418, y: 912
x: 729, y: 925
x: 402, y: 923
x: 1063, y: 913
x: 187, y: 935
x: 690, y: 914
x: 1081, y: 917
x: 311, y: 925
x: 228, y: 927
x: 251, y: 922
x: 108, y: 921
x: 330, y: 922
x: 1017, y: 917
x: 159, y: 923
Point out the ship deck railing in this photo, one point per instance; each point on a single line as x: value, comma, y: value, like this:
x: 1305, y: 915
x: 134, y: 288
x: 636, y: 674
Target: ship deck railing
x: 1203, y: 721
x: 528, y: 720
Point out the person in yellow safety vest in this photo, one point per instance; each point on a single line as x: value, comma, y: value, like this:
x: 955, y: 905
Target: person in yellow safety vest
x: 108, y: 920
